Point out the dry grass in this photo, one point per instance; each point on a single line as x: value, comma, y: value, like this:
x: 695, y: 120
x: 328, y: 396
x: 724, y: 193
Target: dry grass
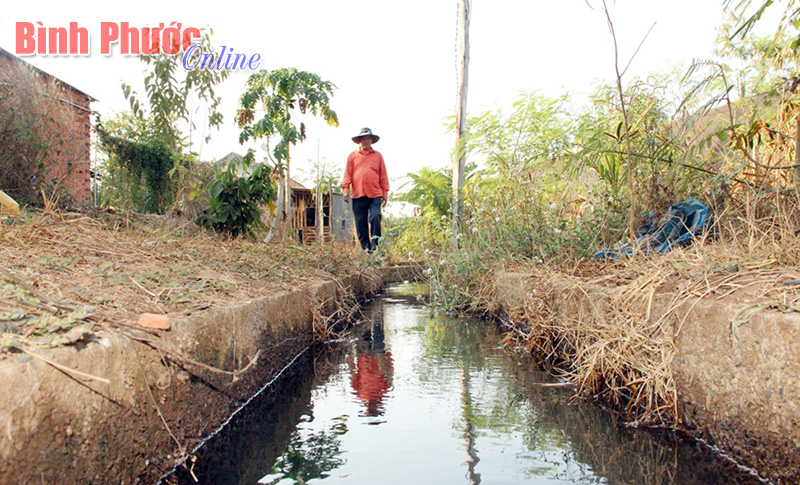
x: 602, y: 340
x: 595, y: 323
x: 66, y: 275
x: 332, y: 313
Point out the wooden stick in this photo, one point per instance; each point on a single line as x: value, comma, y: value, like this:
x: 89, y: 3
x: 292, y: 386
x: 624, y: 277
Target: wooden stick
x: 176, y: 357
x: 143, y: 288
x: 63, y: 368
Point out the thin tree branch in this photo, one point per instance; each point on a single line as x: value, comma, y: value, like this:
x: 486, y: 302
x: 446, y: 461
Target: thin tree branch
x: 62, y: 368
x: 673, y: 162
x: 637, y: 49
x: 631, y: 222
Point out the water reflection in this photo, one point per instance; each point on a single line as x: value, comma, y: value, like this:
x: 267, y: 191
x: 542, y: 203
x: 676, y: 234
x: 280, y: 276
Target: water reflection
x: 452, y: 408
x: 310, y: 456
x: 371, y: 366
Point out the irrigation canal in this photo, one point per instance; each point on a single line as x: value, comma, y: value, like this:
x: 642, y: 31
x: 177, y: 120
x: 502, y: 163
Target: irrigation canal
x: 411, y: 397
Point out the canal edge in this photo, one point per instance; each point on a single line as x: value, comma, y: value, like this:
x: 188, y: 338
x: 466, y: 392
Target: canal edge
x: 735, y: 386
x: 166, y: 391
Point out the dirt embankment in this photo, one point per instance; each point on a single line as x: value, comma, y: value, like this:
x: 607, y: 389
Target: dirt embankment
x: 716, y: 357
x: 90, y: 397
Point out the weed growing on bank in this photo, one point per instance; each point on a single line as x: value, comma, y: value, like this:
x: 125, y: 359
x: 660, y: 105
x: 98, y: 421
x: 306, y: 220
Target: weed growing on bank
x: 67, y: 275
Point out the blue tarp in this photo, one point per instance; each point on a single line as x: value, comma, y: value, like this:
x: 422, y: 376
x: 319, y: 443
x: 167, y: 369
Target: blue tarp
x: 687, y: 220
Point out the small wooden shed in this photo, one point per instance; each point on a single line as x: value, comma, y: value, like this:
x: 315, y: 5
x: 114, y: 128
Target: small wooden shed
x: 337, y: 217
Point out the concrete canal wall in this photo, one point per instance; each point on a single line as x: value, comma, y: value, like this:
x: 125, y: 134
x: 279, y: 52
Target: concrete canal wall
x: 129, y: 406
x: 737, y: 385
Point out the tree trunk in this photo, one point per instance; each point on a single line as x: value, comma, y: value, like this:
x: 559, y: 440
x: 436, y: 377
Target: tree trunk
x: 287, y: 200
x: 275, y: 223
x: 459, y: 155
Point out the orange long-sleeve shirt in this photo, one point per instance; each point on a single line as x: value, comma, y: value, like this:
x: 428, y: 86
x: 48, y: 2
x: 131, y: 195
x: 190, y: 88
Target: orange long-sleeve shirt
x: 366, y: 173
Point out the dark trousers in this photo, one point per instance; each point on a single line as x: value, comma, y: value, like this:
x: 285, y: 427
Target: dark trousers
x: 367, y: 214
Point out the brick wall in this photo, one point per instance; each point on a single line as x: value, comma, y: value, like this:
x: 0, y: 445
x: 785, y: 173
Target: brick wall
x: 69, y: 162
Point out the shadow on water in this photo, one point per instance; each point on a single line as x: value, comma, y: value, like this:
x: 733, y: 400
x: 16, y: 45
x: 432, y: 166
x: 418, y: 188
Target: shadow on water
x: 436, y: 397
x: 618, y: 453
x: 258, y: 435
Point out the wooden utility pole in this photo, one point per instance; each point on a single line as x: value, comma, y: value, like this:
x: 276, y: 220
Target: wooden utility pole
x: 320, y: 214
x: 459, y: 155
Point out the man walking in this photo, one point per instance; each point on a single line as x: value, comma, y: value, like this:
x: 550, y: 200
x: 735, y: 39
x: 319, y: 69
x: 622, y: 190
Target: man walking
x: 366, y: 174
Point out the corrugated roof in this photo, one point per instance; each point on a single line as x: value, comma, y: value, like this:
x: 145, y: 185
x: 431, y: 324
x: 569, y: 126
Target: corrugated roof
x: 296, y: 185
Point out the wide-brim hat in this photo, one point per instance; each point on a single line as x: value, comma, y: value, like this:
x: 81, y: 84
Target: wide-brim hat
x: 366, y: 132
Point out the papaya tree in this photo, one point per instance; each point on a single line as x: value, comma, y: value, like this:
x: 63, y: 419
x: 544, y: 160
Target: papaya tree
x: 283, y: 96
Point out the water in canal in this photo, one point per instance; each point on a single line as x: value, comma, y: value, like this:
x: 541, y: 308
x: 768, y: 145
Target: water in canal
x: 417, y: 398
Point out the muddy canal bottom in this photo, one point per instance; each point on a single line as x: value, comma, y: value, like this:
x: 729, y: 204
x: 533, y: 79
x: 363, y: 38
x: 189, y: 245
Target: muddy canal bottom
x: 412, y: 398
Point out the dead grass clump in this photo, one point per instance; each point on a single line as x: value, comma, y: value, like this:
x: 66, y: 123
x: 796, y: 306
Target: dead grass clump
x: 602, y: 339
x: 331, y: 314
x: 618, y: 353
x: 762, y: 226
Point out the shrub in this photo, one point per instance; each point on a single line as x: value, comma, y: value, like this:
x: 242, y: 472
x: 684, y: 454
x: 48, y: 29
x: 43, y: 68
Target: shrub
x: 234, y: 204
x: 138, y: 168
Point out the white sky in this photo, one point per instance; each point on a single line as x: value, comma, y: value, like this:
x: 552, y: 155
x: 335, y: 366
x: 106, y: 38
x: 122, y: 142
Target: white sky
x: 393, y: 62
